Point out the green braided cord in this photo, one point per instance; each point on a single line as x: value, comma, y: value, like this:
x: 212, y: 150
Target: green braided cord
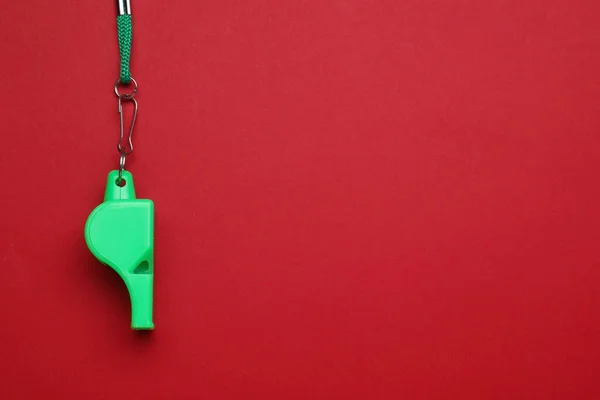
x: 124, y: 30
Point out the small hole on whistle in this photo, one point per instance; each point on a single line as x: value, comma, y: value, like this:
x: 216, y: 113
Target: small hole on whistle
x: 120, y: 182
x: 143, y: 268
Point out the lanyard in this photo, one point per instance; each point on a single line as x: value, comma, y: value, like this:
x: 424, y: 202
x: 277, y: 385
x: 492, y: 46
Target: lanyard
x: 125, y: 34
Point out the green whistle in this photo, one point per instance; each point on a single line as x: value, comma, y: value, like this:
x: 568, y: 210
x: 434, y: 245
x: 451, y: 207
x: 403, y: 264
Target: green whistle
x: 120, y: 234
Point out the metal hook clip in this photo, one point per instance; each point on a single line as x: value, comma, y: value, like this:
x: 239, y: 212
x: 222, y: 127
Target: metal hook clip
x: 129, y: 147
x: 124, y: 151
x: 125, y: 148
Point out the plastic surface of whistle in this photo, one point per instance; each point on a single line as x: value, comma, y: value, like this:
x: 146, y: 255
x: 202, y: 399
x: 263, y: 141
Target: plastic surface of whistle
x: 120, y: 234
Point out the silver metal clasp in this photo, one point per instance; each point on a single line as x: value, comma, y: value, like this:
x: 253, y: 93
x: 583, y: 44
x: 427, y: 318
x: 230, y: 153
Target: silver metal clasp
x: 125, y: 145
x: 124, y: 7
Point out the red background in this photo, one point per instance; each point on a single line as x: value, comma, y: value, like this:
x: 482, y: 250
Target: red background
x: 354, y: 199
